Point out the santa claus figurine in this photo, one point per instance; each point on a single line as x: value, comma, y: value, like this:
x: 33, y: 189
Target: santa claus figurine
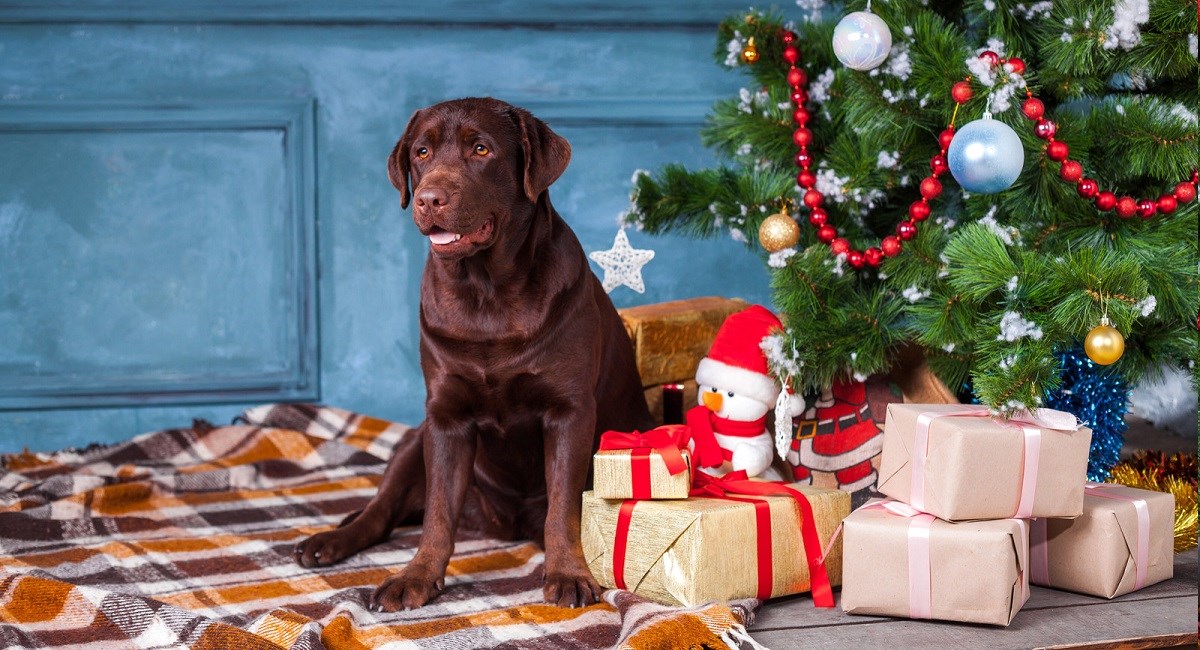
x: 736, y: 389
x: 838, y: 436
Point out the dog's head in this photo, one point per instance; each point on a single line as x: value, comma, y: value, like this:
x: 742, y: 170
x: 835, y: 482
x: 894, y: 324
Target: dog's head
x: 476, y: 166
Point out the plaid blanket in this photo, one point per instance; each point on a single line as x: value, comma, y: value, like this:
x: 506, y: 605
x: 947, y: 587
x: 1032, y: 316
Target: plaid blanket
x: 183, y: 538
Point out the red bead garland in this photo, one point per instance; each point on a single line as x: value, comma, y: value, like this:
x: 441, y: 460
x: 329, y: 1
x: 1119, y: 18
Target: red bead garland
x: 1071, y: 171
x: 930, y: 187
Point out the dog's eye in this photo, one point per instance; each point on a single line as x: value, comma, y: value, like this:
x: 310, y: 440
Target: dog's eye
x: 481, y: 150
x: 422, y: 152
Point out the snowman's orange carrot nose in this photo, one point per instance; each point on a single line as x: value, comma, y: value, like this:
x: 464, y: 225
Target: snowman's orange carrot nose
x: 712, y: 400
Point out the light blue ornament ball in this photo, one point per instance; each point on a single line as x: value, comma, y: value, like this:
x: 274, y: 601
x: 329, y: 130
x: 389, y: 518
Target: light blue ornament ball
x: 861, y: 40
x: 985, y: 156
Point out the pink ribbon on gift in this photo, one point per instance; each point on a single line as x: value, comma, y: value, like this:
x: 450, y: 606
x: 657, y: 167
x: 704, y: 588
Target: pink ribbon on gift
x: 1040, y: 561
x: 1039, y: 419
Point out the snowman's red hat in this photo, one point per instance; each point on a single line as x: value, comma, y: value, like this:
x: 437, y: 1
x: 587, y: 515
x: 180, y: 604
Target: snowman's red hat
x: 736, y: 360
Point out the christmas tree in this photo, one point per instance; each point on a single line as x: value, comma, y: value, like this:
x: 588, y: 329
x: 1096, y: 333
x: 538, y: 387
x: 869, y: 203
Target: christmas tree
x: 1073, y: 125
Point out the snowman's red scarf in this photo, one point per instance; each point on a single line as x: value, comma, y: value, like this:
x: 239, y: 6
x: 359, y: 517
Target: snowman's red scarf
x: 703, y: 422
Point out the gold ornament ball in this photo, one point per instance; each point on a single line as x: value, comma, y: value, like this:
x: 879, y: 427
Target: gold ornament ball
x: 750, y: 52
x: 777, y: 232
x: 1104, y: 344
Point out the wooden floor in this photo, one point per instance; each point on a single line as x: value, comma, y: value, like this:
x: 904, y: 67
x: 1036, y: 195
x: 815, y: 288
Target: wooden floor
x: 1159, y: 616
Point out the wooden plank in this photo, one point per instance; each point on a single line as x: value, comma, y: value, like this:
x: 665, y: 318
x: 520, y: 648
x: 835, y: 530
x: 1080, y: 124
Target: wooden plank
x: 1159, y: 616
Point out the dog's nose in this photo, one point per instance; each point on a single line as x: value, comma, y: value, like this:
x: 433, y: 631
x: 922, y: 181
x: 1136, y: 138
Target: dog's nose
x: 432, y: 198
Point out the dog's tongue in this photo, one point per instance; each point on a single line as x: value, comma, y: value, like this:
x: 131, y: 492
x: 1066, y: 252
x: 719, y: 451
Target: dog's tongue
x: 442, y: 237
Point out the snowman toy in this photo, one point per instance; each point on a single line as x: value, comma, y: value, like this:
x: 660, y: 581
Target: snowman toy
x: 736, y: 389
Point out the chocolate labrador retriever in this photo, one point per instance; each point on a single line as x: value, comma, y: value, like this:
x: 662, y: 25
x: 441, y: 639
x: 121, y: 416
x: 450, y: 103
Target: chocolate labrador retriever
x: 525, y: 359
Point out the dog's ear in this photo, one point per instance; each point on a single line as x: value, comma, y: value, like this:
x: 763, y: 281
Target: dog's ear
x: 546, y: 154
x: 398, y: 165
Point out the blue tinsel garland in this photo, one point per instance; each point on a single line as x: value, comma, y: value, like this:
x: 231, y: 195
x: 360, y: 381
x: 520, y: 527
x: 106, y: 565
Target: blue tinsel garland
x: 1099, y: 398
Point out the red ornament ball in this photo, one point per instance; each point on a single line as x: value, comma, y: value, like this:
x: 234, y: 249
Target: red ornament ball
x: 1033, y: 108
x: 873, y: 256
x: 1167, y: 204
x: 839, y: 245
x: 1057, y: 151
x: 789, y: 36
x: 796, y: 77
x: 856, y: 259
x: 1106, y: 201
x: 806, y: 179
x: 1044, y: 129
x: 812, y: 198
x: 930, y: 187
x: 1126, y: 207
x: 791, y: 54
x: 1071, y: 171
x: 1088, y: 188
x: 803, y: 159
x: 919, y: 210
x: 1185, y: 192
x: 991, y: 57
x: 799, y: 97
x: 818, y: 217
x: 802, y: 137
x: 801, y: 116
x: 945, y: 137
x: 906, y: 230
x: 1146, y: 208
x: 937, y: 165
x: 1017, y: 65
x: 891, y: 245
x: 961, y: 92
x: 826, y: 234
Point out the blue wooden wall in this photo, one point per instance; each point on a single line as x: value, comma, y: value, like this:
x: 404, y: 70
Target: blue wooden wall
x: 194, y: 209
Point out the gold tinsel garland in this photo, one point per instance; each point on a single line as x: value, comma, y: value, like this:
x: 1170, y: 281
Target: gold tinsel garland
x: 1154, y: 470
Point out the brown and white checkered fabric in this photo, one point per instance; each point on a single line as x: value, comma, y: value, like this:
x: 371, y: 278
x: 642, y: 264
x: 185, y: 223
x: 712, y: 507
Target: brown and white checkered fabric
x: 183, y: 538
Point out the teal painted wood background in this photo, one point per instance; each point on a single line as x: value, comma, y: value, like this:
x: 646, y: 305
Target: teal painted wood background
x: 194, y: 209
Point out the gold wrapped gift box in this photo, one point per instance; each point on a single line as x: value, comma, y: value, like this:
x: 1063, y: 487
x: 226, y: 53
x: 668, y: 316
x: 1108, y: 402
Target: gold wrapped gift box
x: 702, y: 549
x: 670, y: 338
x: 614, y: 476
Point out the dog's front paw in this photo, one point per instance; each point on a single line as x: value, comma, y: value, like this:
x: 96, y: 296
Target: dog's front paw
x: 330, y: 547
x: 414, y: 586
x: 571, y: 589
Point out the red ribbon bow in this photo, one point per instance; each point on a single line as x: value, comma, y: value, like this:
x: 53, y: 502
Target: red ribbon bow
x: 704, y: 485
x: 665, y: 440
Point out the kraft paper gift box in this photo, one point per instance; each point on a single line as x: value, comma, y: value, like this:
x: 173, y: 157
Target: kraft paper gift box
x: 704, y: 549
x: 1123, y: 541
x: 913, y: 565
x: 643, y: 466
x: 955, y: 462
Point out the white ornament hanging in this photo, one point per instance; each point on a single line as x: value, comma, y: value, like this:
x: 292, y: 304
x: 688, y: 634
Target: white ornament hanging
x: 986, y: 156
x: 622, y: 264
x: 862, y: 40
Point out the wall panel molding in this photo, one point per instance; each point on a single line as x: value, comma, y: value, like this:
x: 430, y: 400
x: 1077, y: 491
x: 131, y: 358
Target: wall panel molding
x: 537, y: 13
x: 621, y: 110
x: 295, y: 374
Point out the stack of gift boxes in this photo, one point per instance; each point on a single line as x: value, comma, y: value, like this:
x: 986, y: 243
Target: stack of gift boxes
x: 979, y: 508
x: 654, y: 527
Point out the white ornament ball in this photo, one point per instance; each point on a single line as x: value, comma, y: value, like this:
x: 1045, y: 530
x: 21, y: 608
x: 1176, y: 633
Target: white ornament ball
x: 985, y: 156
x: 862, y: 40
